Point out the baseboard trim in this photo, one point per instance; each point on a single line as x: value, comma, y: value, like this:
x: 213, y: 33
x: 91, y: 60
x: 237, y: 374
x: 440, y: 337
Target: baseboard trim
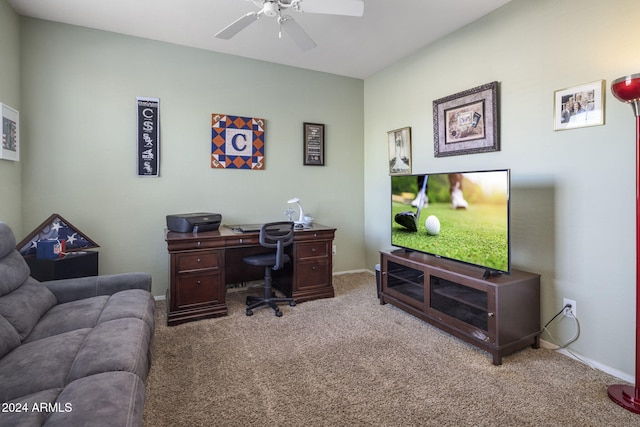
x: 362, y: 270
x: 589, y: 362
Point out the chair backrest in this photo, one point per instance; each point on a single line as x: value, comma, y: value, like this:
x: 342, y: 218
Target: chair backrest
x: 277, y: 235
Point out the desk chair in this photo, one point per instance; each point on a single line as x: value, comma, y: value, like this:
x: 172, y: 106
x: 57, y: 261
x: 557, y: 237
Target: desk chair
x: 272, y: 235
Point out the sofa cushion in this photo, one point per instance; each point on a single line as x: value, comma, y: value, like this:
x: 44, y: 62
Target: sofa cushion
x: 107, y: 399
x: 117, y: 345
x: 133, y: 303
x: 36, y: 405
x: 7, y: 240
x: 69, y: 316
x: 13, y: 272
x: 9, y: 338
x: 25, y: 306
x: 39, y: 365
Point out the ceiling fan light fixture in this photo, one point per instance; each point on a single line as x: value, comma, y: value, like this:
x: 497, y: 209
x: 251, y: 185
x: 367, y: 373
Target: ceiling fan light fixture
x: 271, y: 9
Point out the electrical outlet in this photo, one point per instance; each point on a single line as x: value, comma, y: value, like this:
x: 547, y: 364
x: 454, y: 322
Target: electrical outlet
x: 570, y: 312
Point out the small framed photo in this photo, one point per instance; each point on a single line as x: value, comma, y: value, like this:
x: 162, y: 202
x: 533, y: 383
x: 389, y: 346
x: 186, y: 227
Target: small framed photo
x: 10, y: 149
x: 579, y: 106
x: 313, y: 144
x: 399, y: 151
x: 466, y: 122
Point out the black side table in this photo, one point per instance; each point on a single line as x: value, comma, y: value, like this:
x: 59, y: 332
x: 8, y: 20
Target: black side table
x: 74, y: 264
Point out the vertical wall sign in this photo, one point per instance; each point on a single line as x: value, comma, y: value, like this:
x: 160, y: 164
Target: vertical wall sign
x: 237, y: 142
x: 313, y: 144
x: 148, y: 136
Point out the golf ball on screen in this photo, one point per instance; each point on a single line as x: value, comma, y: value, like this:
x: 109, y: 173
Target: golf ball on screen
x: 433, y: 225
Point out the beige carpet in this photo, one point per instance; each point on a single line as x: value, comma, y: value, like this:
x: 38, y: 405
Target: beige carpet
x: 348, y: 361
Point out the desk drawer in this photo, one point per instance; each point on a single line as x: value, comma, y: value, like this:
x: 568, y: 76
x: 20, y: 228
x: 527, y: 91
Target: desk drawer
x: 312, y: 249
x: 312, y: 274
x: 195, y: 290
x: 314, y: 235
x: 198, y: 260
x: 242, y: 240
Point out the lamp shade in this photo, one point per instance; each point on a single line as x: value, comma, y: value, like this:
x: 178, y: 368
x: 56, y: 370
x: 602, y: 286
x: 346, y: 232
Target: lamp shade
x: 627, y: 89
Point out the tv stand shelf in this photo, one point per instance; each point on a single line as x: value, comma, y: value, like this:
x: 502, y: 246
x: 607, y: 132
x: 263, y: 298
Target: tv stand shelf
x: 499, y: 314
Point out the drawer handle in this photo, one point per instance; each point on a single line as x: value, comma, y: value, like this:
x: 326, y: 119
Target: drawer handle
x: 197, y: 282
x: 198, y: 260
x: 315, y: 234
x: 198, y: 244
x: 314, y: 249
x: 491, y: 314
x: 314, y: 267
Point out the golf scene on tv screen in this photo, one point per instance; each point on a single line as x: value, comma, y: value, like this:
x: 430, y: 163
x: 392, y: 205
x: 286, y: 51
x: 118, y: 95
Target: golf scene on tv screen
x: 461, y: 216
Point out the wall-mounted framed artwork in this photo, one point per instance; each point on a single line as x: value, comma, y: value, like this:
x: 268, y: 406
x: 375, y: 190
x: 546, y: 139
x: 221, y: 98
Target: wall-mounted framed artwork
x: 10, y: 149
x: 313, y: 144
x: 399, y: 142
x: 466, y: 122
x: 579, y: 106
x: 237, y: 142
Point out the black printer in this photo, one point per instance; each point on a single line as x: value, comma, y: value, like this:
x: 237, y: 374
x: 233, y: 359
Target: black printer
x: 194, y: 222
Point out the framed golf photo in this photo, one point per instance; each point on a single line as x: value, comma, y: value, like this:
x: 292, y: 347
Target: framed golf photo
x: 466, y: 122
x: 399, y: 141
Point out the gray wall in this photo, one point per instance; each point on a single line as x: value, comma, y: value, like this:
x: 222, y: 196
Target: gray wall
x: 10, y: 172
x: 78, y: 106
x: 573, y: 207
x: 78, y: 129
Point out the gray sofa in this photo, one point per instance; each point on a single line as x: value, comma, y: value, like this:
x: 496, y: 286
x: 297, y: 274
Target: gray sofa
x: 73, y: 352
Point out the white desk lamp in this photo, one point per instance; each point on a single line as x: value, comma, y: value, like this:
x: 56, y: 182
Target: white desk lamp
x: 297, y: 201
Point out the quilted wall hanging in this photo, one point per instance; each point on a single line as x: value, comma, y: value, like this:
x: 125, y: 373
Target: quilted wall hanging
x: 237, y: 142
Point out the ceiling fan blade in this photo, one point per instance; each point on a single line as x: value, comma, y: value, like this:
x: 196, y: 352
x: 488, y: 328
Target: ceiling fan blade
x: 331, y: 7
x: 297, y: 34
x: 237, y: 26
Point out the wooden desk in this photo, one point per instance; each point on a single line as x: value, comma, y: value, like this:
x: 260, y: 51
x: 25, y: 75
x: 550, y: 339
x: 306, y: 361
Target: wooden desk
x: 202, y: 264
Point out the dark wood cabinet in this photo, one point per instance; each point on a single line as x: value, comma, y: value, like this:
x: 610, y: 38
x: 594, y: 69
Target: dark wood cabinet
x: 500, y: 314
x: 202, y: 264
x: 75, y: 264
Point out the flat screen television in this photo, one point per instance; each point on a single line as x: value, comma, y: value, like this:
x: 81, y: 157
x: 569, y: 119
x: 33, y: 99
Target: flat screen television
x: 471, y: 211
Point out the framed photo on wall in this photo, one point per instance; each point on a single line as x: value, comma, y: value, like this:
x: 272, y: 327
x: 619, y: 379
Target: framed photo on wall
x: 313, y: 144
x: 579, y: 106
x: 399, y: 141
x: 466, y: 122
x: 10, y: 149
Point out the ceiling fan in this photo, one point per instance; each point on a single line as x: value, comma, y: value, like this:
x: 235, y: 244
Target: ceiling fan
x: 274, y: 9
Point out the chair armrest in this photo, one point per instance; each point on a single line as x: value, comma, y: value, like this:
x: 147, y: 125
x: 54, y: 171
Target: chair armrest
x: 66, y: 290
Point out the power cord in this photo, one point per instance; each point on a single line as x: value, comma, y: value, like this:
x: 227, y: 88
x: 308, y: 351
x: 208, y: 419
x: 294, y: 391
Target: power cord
x: 564, y: 345
x: 571, y: 340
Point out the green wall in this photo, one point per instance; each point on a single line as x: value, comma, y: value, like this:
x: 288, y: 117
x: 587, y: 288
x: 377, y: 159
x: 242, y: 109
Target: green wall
x: 10, y: 172
x: 573, y: 208
x: 78, y: 97
x: 573, y: 211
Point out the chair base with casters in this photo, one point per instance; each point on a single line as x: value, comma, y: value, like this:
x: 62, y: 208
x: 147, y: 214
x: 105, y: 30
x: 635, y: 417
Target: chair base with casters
x: 268, y: 299
x: 272, y: 235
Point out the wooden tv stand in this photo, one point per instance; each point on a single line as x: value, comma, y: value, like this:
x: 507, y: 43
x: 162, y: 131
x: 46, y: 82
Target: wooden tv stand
x: 500, y: 314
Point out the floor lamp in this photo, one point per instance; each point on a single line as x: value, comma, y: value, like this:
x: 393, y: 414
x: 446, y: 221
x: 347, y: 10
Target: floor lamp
x: 627, y: 89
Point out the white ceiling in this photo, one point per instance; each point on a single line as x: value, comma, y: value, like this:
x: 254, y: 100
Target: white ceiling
x: 349, y: 46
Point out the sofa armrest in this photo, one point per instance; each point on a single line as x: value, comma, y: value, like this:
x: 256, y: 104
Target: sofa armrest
x: 67, y: 290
